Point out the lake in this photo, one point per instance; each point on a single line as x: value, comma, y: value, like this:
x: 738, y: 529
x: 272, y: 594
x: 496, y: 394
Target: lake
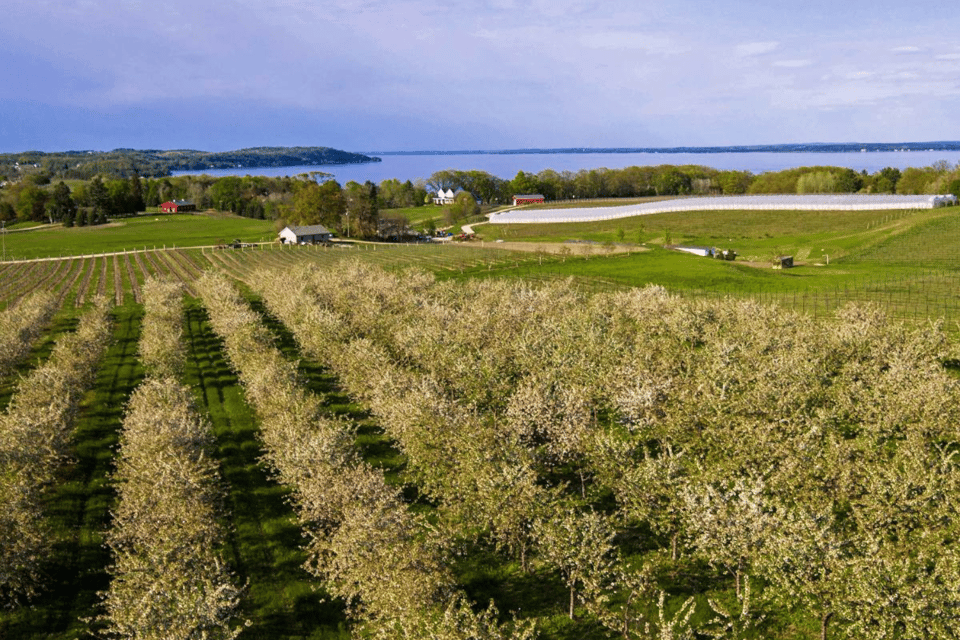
x: 414, y: 167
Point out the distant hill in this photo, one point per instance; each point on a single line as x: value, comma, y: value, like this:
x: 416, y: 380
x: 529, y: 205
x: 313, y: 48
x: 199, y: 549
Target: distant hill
x: 156, y: 163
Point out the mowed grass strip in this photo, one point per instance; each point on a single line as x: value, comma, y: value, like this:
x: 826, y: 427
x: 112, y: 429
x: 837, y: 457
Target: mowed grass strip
x: 79, y: 502
x: 264, y: 547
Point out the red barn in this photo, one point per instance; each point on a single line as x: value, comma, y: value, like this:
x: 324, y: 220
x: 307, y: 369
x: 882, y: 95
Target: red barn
x: 530, y: 198
x: 177, y: 206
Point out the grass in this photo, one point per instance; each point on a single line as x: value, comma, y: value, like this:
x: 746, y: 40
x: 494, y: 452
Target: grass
x: 264, y: 546
x: 78, y: 504
x: 420, y: 217
x: 750, y: 233
x: 902, y: 260
x: 281, y: 601
x: 145, y: 231
x: 417, y: 216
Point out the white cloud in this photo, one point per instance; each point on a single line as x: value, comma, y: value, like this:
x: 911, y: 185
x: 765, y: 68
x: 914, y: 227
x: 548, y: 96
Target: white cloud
x: 793, y: 64
x: 651, y: 43
x: 755, y: 48
x: 948, y: 56
x: 906, y: 49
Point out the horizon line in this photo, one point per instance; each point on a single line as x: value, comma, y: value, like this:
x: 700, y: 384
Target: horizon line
x: 937, y: 145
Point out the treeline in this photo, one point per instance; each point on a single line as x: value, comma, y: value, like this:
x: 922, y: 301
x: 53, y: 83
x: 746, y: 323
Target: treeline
x: 301, y: 199
x: 350, y: 210
x: 124, y: 163
x: 87, y: 203
x: 671, y: 180
x: 355, y: 209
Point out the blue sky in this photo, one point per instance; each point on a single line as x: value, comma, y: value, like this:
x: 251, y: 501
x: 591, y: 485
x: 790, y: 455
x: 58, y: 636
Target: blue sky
x: 377, y: 75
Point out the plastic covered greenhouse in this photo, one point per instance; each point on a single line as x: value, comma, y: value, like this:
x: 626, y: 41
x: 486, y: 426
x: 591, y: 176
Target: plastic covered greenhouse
x: 850, y: 202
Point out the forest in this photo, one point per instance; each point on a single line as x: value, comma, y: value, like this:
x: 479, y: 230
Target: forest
x: 123, y: 163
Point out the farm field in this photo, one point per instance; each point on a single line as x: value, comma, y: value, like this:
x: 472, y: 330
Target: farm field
x: 505, y: 347
x: 900, y: 260
x: 540, y: 382
x: 143, y: 231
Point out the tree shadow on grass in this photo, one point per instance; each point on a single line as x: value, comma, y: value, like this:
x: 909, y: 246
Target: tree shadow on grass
x: 540, y: 594
x: 38, y: 355
x: 375, y: 447
x: 78, y: 504
x: 264, y: 544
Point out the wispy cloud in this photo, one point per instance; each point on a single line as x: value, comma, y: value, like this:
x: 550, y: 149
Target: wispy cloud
x: 749, y: 49
x: 650, y: 43
x: 792, y: 64
x: 548, y: 70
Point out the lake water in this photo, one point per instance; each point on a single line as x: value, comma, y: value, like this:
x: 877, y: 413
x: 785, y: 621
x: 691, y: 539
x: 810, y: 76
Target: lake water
x: 414, y: 167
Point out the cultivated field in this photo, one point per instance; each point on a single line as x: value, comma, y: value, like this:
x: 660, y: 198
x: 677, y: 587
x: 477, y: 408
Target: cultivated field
x: 469, y: 441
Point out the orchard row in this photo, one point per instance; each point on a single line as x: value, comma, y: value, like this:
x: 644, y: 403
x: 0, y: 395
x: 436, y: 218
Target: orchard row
x: 680, y: 467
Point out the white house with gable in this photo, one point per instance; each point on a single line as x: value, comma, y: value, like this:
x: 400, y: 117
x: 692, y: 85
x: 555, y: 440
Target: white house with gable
x: 305, y: 235
x: 444, y: 197
x: 449, y: 196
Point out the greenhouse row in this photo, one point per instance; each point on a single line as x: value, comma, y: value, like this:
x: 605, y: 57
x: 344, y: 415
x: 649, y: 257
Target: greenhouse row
x: 848, y: 202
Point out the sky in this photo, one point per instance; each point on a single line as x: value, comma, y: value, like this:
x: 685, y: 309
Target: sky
x: 392, y: 75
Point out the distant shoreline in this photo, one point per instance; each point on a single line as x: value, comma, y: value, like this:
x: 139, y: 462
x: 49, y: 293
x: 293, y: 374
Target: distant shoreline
x: 809, y: 147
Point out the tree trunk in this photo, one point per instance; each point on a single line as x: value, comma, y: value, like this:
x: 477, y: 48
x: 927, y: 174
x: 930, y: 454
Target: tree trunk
x: 571, y: 601
x: 626, y: 616
x: 824, y: 619
x: 739, y: 571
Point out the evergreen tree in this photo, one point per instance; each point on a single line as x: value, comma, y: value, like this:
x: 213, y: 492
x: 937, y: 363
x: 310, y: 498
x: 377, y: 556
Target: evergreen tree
x: 137, y: 202
x: 62, y: 205
x: 99, y: 198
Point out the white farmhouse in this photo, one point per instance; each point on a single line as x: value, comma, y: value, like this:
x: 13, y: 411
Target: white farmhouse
x: 305, y: 235
x: 444, y: 197
x: 450, y: 196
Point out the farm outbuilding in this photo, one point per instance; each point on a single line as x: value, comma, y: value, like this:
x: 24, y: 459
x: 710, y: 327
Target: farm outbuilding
x: 177, y: 206
x: 310, y: 234
x: 528, y: 198
x: 697, y: 251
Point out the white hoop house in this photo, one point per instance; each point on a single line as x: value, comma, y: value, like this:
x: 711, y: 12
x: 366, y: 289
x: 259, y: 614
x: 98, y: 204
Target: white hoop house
x: 854, y: 202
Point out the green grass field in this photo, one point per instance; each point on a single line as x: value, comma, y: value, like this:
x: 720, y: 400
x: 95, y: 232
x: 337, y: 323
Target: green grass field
x: 145, y: 231
x: 418, y: 216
